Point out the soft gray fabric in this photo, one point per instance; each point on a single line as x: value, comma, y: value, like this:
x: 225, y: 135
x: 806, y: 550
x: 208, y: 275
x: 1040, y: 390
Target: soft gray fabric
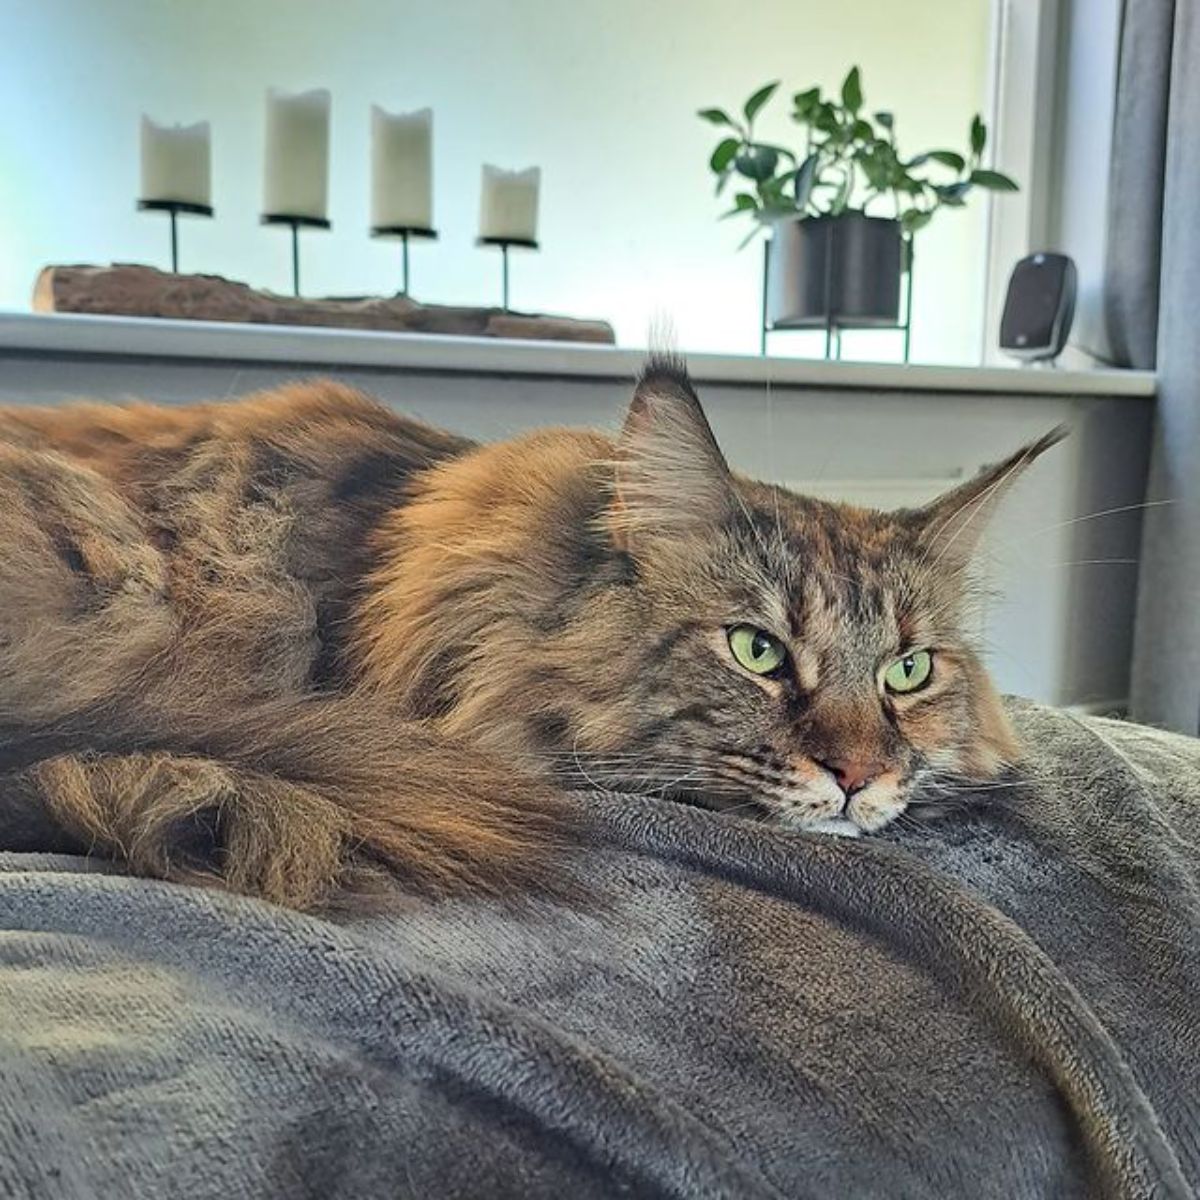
x: 1152, y: 288
x: 1003, y: 1003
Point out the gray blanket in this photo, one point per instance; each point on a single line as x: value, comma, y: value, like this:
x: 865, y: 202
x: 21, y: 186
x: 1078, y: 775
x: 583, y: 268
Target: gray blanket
x: 1004, y: 1003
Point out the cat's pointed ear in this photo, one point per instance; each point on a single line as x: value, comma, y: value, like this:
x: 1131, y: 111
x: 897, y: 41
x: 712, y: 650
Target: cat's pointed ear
x: 670, y: 473
x: 952, y: 525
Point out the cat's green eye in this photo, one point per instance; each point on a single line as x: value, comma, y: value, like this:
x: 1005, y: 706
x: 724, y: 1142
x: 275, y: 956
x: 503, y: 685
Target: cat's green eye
x: 756, y: 649
x: 910, y: 673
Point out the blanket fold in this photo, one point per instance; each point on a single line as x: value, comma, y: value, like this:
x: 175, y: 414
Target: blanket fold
x: 1003, y: 1002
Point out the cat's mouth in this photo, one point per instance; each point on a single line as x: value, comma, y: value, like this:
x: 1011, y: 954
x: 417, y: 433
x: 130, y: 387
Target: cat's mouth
x: 806, y: 795
x: 811, y: 801
x: 813, y: 809
x: 831, y: 811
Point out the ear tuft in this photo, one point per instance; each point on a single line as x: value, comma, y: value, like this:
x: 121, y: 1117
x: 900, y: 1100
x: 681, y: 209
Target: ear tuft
x: 1044, y: 443
x: 953, y: 523
x: 665, y: 370
x: 670, y: 473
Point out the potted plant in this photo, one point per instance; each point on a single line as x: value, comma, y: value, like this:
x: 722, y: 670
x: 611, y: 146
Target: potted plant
x: 832, y: 259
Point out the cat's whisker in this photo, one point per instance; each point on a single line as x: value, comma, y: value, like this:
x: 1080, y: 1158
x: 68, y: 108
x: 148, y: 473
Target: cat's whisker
x: 1038, y: 564
x: 753, y: 805
x: 644, y: 774
x: 584, y: 772
x: 632, y: 771
x: 609, y: 758
x: 1094, y: 516
x: 785, y: 559
x: 934, y: 793
x: 938, y: 785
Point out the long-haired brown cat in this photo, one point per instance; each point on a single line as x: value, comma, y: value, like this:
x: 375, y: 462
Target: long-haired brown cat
x: 300, y: 643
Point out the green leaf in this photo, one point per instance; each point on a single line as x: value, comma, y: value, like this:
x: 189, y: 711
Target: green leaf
x: 913, y: 219
x: 885, y: 152
x: 756, y: 162
x: 743, y: 202
x: 948, y: 158
x: 978, y: 135
x: 863, y: 131
x: 751, y: 236
x: 759, y: 99
x: 715, y: 116
x: 825, y: 118
x: 995, y: 181
x: 918, y: 160
x: 885, y: 119
x: 806, y: 176
x: 722, y: 156
x: 771, y: 193
x: 953, y: 194
x: 875, y: 169
x: 852, y: 96
x: 782, y: 151
x: 806, y: 103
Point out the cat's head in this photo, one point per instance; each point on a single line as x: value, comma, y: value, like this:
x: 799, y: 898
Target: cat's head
x: 633, y: 615
x: 808, y: 659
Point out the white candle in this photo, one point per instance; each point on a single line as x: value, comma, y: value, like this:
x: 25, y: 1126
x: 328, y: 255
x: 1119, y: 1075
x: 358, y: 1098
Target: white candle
x: 509, y: 204
x: 296, y: 182
x: 401, y: 169
x: 176, y: 162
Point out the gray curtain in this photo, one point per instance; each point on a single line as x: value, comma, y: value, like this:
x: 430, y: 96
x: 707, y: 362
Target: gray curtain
x: 1152, y: 307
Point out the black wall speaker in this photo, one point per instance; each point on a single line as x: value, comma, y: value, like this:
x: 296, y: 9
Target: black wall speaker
x: 1039, y: 308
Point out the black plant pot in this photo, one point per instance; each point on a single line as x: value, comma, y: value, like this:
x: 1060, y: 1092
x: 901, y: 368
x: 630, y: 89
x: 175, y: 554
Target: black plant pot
x: 831, y: 271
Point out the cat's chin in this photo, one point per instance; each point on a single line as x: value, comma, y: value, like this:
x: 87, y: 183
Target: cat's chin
x: 835, y: 827
x: 864, y: 814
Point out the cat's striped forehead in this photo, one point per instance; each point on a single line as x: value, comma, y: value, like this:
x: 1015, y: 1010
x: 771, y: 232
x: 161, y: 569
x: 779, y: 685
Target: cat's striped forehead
x: 833, y: 569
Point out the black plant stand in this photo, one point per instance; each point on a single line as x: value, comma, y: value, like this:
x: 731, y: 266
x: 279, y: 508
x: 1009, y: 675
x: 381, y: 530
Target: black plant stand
x: 830, y: 322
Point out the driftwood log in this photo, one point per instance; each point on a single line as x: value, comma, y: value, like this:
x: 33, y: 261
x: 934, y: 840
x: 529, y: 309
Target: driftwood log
x: 130, y: 290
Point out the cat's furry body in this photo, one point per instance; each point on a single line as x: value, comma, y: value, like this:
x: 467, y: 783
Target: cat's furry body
x: 299, y: 642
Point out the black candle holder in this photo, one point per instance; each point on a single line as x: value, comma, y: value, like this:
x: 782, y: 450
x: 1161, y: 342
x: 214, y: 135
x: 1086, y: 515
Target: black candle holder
x: 173, y: 208
x: 504, y: 244
x: 404, y: 232
x: 296, y: 223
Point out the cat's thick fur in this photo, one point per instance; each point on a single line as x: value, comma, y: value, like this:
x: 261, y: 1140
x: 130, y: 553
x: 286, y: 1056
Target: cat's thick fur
x: 298, y: 644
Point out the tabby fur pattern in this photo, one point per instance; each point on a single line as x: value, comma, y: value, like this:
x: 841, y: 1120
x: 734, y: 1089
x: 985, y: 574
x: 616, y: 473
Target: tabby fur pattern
x: 300, y: 646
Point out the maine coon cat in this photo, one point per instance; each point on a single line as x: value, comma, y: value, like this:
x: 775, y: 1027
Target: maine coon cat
x: 299, y: 643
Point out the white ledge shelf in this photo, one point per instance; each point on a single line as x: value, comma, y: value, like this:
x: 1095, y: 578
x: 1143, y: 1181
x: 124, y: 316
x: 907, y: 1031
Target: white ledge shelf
x: 70, y: 335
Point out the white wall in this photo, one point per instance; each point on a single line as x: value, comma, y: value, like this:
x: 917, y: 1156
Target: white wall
x: 601, y: 93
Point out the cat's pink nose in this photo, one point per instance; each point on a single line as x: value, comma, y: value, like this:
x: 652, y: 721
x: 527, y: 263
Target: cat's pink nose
x: 852, y: 775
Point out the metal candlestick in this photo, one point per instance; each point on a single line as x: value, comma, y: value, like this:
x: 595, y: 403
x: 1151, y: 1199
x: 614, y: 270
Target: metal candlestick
x: 504, y: 244
x: 403, y: 232
x: 296, y: 223
x: 173, y: 208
